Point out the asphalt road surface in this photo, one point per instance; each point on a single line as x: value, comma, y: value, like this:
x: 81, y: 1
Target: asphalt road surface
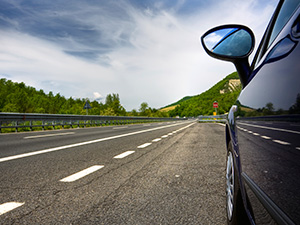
x: 165, y: 173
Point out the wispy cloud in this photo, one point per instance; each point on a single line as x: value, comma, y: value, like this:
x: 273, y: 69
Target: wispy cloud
x: 143, y: 50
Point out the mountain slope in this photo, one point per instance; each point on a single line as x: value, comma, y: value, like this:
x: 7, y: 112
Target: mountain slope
x: 224, y: 92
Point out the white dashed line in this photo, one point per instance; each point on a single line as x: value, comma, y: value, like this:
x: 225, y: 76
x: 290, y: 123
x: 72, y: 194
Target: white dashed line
x: 298, y: 148
x: 117, y: 128
x: 81, y: 174
x: 8, y: 206
x: 266, y: 137
x: 170, y: 134
x: 256, y: 134
x: 281, y: 142
x: 144, y: 145
x: 156, y: 140
x: 164, y: 136
x: 48, y: 135
x: 250, y: 132
x: 123, y: 155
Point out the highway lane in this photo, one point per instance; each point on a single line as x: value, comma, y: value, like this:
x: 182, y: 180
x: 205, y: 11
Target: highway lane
x: 172, y: 175
x: 33, y: 141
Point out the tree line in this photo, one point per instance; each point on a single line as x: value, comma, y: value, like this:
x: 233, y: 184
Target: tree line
x: 17, y: 97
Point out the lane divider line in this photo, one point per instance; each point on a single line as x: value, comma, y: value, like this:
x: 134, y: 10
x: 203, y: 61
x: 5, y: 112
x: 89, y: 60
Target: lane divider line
x: 164, y: 136
x: 118, y: 128
x: 84, y: 143
x: 48, y: 135
x: 81, y: 174
x: 144, y: 145
x: 281, y: 142
x: 156, y: 140
x: 124, y: 154
x: 266, y: 137
x: 8, y: 206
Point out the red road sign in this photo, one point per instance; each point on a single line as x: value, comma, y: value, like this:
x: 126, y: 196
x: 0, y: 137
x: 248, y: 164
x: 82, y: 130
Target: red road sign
x: 215, y: 104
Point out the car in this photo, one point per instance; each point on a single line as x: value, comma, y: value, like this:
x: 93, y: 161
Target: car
x: 263, y: 127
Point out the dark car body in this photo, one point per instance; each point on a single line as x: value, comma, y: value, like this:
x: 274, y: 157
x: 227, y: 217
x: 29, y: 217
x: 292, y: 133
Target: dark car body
x: 263, y: 127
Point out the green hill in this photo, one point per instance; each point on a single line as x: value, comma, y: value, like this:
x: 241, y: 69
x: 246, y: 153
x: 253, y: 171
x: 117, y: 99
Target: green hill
x: 224, y: 92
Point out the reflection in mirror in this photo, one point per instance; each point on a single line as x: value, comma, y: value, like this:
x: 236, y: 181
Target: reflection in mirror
x: 233, y: 42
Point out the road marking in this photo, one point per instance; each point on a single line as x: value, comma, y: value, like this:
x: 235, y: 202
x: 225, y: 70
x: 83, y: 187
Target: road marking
x: 281, y: 142
x: 147, y: 125
x: 124, y: 154
x: 170, y: 134
x: 156, y: 140
x: 266, y: 137
x: 221, y: 124
x: 250, y: 132
x: 298, y: 148
x: 256, y: 134
x: 48, y: 135
x: 81, y: 174
x: 8, y: 206
x: 117, y: 128
x: 174, y: 132
x: 271, y: 128
x: 83, y: 143
x: 144, y: 145
x: 164, y: 136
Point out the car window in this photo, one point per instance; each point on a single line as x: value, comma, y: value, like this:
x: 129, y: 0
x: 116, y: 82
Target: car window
x: 287, y: 10
x: 280, y: 18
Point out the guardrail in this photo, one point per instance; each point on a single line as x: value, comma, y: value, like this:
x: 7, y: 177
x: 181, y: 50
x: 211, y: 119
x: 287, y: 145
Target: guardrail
x: 217, y: 118
x: 31, y: 120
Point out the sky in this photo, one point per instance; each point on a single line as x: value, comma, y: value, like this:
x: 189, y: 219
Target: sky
x: 144, y: 50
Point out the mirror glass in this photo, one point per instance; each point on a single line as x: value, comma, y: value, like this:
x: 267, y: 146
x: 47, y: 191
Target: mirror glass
x: 233, y: 42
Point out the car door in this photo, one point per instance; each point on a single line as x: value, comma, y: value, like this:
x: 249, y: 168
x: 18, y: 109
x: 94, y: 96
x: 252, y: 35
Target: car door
x: 268, y: 122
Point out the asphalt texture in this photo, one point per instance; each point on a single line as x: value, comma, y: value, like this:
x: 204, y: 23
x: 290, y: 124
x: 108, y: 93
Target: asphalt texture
x: 176, y: 180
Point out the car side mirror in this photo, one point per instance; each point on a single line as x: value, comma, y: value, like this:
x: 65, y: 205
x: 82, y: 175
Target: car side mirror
x: 232, y: 43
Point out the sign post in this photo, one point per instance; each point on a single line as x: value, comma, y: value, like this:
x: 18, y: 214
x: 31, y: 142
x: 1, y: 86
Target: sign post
x: 216, y: 106
x: 87, y: 106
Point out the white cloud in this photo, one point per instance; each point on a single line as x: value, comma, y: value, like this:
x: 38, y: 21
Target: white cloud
x: 97, y: 96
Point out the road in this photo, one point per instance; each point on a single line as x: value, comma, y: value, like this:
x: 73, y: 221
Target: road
x: 164, y: 173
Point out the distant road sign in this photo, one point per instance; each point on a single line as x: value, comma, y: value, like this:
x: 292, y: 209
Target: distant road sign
x: 87, y: 105
x: 216, y: 105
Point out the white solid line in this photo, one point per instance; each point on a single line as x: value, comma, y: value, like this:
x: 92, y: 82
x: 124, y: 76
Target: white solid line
x: 271, y: 128
x: 156, y: 140
x: 124, y: 154
x: 144, y: 145
x: 281, y: 142
x: 117, y: 128
x: 266, y: 137
x: 8, y: 206
x: 164, y: 136
x: 81, y: 174
x: 48, y: 135
x: 82, y: 143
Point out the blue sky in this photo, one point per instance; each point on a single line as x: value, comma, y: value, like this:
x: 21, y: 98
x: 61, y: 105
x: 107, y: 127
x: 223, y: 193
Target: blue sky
x: 146, y: 51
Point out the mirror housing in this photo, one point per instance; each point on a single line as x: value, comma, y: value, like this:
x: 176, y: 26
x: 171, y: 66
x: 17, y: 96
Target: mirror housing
x: 233, y: 43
